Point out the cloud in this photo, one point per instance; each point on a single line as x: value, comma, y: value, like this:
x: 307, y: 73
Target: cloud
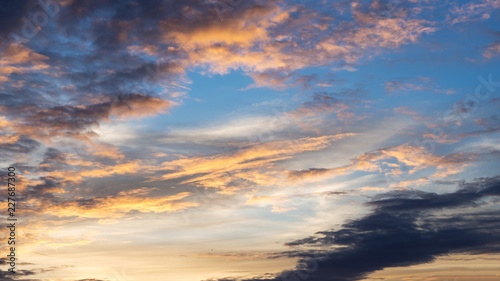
x: 412, y: 158
x: 321, y: 103
x: 8, y: 276
x: 492, y: 51
x: 133, y: 62
x: 77, y: 121
x: 19, y: 59
x: 80, y: 174
x: 102, y: 62
x: 116, y: 206
x: 244, y: 166
x: 11, y: 17
x: 404, y: 228
x: 107, y: 151
x: 278, y: 202
x: 489, y: 125
x: 420, y: 84
x: 20, y: 275
x: 265, y: 37
x: 271, y: 79
x: 472, y: 11
x: 277, y: 80
x: 18, y: 145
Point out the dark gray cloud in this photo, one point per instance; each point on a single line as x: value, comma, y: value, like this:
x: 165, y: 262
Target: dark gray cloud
x: 18, y: 276
x: 11, y: 15
x: 52, y: 158
x: 405, y: 228
x: 21, y: 275
x: 76, y: 121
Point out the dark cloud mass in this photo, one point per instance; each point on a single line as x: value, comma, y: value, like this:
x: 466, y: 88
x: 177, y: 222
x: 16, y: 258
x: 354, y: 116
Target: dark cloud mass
x: 405, y: 228
x: 11, y: 16
x: 76, y: 121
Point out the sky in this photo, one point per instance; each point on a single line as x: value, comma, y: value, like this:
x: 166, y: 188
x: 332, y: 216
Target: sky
x: 251, y: 140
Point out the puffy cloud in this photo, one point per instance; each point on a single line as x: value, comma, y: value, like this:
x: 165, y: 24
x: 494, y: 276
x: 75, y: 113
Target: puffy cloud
x: 263, y: 37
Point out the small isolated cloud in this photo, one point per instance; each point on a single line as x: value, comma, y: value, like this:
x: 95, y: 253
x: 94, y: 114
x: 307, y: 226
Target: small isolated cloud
x: 419, y: 84
x: 322, y: 103
x: 492, y: 50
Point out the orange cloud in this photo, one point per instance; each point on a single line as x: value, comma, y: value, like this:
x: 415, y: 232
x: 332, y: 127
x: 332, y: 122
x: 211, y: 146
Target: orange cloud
x: 371, y: 188
x: 416, y: 158
x: 138, y: 105
x: 117, y: 206
x: 107, y: 151
x: 133, y: 167
x: 147, y: 49
x: 19, y: 59
x: 255, y: 164
x: 266, y: 37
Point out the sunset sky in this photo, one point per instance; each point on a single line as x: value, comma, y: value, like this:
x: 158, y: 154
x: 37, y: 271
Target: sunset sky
x: 251, y: 140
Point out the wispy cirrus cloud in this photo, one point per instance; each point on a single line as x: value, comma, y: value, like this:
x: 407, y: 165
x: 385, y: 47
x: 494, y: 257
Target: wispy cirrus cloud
x: 220, y: 171
x: 473, y: 11
x: 116, y: 206
x: 381, y: 161
x: 419, y: 84
x: 492, y: 50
